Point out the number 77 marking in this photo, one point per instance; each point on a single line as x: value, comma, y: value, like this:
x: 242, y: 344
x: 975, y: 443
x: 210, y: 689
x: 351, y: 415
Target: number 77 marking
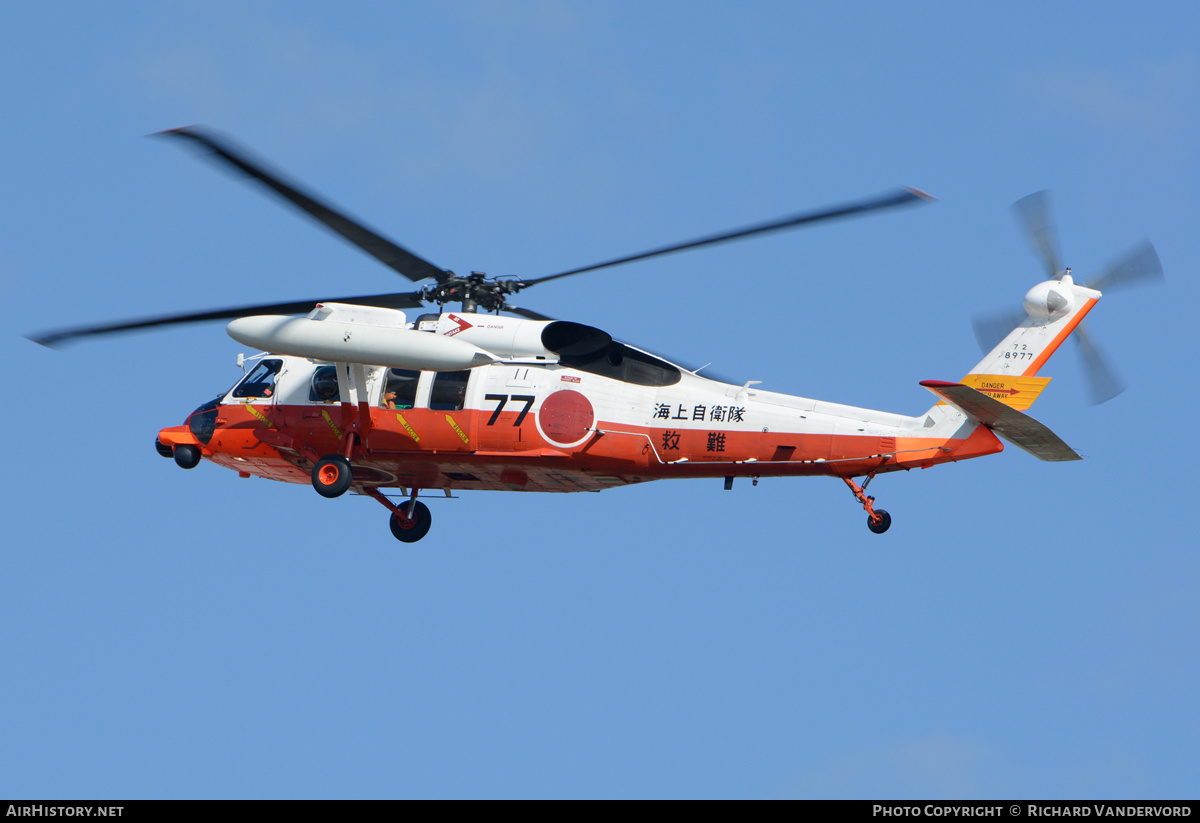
x: 504, y: 398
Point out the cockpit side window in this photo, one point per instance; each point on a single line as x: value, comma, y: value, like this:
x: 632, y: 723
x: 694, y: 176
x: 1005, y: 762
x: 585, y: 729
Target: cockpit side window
x: 324, y: 386
x: 449, y: 391
x: 261, y: 381
x: 400, y: 389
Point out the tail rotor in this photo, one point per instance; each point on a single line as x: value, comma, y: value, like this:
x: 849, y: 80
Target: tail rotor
x: 1138, y: 267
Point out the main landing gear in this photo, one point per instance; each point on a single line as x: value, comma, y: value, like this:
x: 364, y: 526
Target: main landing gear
x: 332, y: 476
x: 411, y: 529
x: 878, y: 521
x: 410, y: 521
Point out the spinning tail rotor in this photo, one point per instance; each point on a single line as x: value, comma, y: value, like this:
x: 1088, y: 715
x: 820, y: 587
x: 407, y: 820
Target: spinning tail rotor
x: 1138, y: 267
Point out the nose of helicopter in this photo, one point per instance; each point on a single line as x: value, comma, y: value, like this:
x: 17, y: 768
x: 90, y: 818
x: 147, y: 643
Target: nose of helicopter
x: 203, y: 421
x: 184, y: 442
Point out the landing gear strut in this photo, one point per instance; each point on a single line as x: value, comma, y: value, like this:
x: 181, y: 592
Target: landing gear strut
x: 878, y: 521
x: 410, y: 521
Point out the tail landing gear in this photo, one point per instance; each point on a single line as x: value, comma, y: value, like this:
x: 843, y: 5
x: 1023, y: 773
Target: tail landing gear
x: 878, y: 521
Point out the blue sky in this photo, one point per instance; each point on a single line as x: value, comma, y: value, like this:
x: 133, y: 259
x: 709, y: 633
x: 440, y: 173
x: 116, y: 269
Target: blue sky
x: 1025, y: 629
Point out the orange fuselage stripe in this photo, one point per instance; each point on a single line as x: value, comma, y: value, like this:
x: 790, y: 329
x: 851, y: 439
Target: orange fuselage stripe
x: 1058, y: 339
x: 635, y: 451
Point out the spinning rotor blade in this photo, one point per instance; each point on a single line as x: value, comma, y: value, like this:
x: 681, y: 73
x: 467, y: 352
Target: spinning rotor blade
x: 887, y: 201
x: 1036, y: 218
x: 387, y: 301
x: 391, y: 254
x: 1103, y: 382
x: 1137, y: 268
x: 991, y: 329
x: 476, y: 292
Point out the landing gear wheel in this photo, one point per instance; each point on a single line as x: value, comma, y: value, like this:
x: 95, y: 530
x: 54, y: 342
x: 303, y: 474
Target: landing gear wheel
x: 163, y: 449
x: 187, y: 456
x: 880, y: 522
x: 412, y: 529
x: 332, y: 476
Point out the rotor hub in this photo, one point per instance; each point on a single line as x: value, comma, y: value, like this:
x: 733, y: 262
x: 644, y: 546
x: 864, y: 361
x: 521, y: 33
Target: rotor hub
x: 475, y: 291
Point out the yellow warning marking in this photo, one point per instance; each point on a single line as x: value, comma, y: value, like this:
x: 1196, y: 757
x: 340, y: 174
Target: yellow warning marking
x: 462, y: 435
x: 260, y: 416
x: 1015, y: 391
x: 408, y: 428
x: 336, y: 431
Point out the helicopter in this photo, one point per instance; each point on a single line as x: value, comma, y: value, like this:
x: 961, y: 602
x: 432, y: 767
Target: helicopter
x: 351, y: 395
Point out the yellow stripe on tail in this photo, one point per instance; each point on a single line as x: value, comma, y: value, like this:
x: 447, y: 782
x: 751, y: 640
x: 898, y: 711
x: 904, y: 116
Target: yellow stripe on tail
x: 1014, y: 391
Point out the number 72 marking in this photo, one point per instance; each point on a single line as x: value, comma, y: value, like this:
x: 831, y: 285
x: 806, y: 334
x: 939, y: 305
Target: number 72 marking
x: 504, y: 398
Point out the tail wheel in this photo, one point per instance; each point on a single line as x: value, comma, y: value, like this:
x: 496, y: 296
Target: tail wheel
x: 414, y: 527
x: 880, y: 522
x: 187, y: 456
x: 332, y: 476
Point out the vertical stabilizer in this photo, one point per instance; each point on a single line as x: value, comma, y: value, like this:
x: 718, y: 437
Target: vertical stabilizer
x: 1008, y: 372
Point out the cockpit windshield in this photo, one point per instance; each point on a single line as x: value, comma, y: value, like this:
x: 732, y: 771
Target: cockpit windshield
x: 261, y: 381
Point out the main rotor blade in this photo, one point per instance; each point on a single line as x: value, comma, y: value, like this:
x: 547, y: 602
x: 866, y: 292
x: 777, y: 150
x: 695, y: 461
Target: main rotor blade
x: 887, y: 201
x: 388, y: 301
x: 1140, y: 266
x: 1036, y: 218
x: 391, y: 254
x: 1103, y: 382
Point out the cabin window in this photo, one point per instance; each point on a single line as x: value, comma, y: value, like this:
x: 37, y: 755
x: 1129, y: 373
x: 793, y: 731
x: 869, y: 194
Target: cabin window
x: 449, y: 391
x: 324, y: 386
x: 401, y: 385
x: 261, y: 381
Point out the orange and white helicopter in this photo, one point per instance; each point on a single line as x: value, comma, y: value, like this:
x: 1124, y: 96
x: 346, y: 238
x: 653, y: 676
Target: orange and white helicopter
x: 355, y: 396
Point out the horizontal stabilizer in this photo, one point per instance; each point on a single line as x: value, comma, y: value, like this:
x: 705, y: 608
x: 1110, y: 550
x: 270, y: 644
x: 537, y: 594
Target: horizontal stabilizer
x: 1015, y: 426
